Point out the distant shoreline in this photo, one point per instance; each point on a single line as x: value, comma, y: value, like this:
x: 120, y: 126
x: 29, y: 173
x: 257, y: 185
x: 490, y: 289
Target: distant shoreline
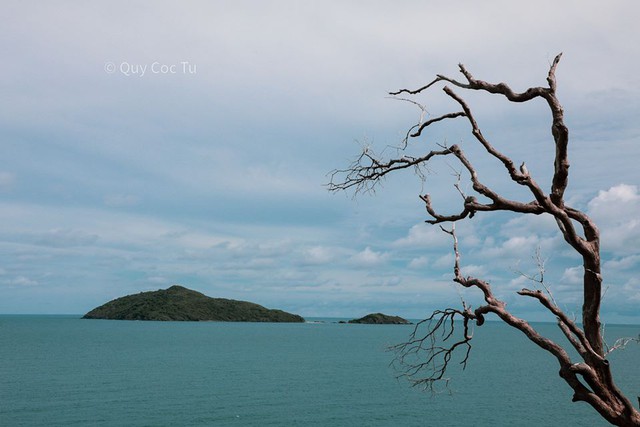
x: 309, y: 320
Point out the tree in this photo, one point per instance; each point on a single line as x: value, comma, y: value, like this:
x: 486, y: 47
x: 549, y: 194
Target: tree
x: 431, y: 349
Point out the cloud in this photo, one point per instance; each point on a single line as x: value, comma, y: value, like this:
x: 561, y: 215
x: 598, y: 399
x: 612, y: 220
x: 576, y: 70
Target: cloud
x: 21, y: 281
x: 625, y: 263
x: 369, y: 258
x: 615, y: 211
x: 573, y: 275
x: 199, y: 240
x: 424, y: 235
x: 317, y: 255
x: 530, y: 224
x: 419, y: 263
x: 513, y: 248
x: 61, y: 237
x: 518, y: 283
x: 632, y: 289
x: 445, y: 261
x: 474, y: 270
x: 620, y: 194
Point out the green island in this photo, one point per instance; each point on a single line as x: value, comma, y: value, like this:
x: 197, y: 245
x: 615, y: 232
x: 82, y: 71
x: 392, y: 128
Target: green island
x: 182, y: 304
x: 380, y: 319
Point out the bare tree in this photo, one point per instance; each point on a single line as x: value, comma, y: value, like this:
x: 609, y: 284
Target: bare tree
x: 430, y: 351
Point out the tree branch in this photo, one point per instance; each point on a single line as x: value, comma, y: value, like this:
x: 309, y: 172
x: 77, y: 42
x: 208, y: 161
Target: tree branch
x: 432, y: 350
x: 366, y: 171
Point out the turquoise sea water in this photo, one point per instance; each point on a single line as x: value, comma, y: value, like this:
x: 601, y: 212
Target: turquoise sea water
x: 64, y: 371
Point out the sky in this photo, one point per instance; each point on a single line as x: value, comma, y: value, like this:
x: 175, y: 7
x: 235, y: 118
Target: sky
x: 146, y: 144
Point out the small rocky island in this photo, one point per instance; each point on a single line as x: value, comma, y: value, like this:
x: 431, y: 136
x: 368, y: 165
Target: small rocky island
x: 180, y: 303
x: 381, y: 319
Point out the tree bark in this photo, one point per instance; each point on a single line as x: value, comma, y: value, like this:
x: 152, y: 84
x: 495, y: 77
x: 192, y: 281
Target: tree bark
x: 590, y: 376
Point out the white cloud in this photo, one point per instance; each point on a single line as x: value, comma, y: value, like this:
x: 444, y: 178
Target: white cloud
x: 369, y: 258
x: 381, y: 282
x: 513, y: 247
x: 22, y: 281
x: 474, y: 270
x: 195, y: 240
x: 517, y: 248
x: 424, y: 235
x: 317, y: 255
x: 631, y: 289
x: 622, y: 193
x: 531, y: 224
x: 518, y: 283
x: 419, y: 263
x: 260, y: 263
x: 573, y: 275
x: 64, y: 237
x: 625, y: 263
x: 617, y: 213
x: 445, y: 261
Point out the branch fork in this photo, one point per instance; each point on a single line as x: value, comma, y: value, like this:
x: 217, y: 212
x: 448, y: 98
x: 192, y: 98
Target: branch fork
x: 431, y: 351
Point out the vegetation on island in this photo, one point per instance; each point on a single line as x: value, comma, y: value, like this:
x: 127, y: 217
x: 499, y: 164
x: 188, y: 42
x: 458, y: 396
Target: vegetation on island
x: 180, y: 303
x: 380, y: 319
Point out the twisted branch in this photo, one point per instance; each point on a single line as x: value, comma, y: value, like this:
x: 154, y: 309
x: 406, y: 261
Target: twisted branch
x: 431, y: 351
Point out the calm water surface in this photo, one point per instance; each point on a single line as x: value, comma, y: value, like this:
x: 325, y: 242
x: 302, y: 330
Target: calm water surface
x: 64, y: 371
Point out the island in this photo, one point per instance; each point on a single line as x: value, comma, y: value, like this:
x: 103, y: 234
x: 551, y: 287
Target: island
x: 381, y: 319
x: 180, y: 303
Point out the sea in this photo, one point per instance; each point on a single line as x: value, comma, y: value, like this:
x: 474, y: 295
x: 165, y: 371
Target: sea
x: 66, y: 371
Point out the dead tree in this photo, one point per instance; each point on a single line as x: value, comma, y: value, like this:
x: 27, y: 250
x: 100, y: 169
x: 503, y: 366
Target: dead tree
x: 589, y: 376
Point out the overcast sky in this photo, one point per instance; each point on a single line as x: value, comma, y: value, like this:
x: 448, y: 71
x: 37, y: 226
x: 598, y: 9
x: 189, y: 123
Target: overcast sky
x: 146, y: 144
